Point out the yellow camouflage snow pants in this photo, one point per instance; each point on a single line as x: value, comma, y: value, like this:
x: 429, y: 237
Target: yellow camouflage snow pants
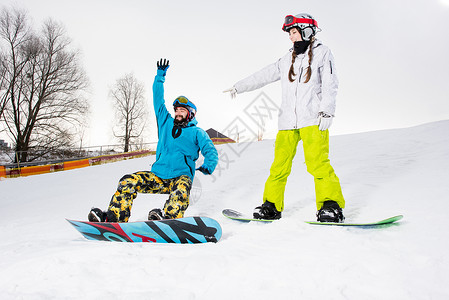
x: 316, y: 152
x: 119, y: 209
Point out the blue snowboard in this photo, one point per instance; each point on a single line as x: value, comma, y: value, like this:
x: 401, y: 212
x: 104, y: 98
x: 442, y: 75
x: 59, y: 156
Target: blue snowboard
x: 190, y: 230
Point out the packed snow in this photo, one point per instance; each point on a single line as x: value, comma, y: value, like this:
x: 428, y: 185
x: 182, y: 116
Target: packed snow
x: 383, y: 173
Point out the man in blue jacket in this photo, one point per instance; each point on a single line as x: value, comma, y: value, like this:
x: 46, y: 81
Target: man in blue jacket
x: 180, y: 142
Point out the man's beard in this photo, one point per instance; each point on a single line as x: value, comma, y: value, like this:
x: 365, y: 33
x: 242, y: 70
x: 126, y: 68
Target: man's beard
x: 180, y: 122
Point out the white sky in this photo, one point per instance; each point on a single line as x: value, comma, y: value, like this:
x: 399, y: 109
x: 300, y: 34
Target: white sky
x: 391, y: 56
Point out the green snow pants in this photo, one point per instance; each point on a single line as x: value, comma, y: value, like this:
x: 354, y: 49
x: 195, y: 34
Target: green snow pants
x: 316, y: 151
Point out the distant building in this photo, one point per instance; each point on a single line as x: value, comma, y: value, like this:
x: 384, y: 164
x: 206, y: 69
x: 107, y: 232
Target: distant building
x: 218, y: 138
x: 3, y: 145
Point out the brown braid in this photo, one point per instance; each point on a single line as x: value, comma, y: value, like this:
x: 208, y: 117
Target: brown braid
x: 291, y: 72
x: 309, y: 69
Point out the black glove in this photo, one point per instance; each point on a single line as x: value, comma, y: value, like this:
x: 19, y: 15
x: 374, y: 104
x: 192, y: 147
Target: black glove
x: 204, y: 170
x: 163, y: 65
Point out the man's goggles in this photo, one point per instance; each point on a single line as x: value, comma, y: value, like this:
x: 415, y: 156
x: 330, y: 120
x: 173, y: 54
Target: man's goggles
x: 292, y: 20
x: 183, y: 101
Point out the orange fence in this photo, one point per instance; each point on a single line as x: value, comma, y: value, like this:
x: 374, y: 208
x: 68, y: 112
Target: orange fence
x: 6, y: 172
x: 75, y: 164
x: 70, y: 165
x: 34, y: 170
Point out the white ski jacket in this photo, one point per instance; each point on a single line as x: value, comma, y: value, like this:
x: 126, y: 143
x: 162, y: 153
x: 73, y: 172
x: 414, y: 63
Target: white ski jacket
x: 301, y: 102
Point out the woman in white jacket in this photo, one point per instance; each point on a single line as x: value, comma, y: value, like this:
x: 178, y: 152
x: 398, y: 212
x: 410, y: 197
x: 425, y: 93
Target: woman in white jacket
x: 309, y: 88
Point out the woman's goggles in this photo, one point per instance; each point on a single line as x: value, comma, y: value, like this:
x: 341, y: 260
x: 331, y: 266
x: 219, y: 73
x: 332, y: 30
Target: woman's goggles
x: 292, y: 20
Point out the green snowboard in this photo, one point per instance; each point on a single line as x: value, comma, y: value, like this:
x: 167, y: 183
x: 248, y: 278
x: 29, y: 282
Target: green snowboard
x: 238, y: 216
x: 369, y: 224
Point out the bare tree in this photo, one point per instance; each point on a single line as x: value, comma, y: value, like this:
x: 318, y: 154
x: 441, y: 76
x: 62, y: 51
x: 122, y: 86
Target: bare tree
x: 3, y: 85
x: 43, y: 100
x: 130, y: 109
x: 14, y: 33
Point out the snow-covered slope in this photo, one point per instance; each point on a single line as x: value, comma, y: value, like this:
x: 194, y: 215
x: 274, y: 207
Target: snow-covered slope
x: 383, y: 173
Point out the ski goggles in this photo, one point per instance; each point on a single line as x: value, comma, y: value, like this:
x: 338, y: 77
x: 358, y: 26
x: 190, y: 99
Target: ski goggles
x: 183, y: 101
x: 292, y: 20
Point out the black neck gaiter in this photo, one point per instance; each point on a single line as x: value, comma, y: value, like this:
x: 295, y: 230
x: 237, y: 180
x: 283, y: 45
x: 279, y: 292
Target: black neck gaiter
x: 178, y: 126
x: 176, y: 131
x: 301, y: 46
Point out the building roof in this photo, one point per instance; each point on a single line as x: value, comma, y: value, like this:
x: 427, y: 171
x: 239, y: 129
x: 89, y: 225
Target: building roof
x: 217, y: 137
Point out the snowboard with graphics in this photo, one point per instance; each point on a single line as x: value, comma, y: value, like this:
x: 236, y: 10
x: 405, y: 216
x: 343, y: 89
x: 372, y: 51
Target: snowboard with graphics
x: 189, y: 230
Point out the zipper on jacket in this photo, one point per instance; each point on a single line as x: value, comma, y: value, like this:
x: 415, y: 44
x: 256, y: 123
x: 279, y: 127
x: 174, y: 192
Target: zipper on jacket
x: 330, y: 63
x: 300, y: 75
x: 191, y: 171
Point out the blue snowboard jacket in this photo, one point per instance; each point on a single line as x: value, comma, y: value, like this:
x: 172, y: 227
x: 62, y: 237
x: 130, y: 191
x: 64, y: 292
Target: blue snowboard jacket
x: 177, y: 156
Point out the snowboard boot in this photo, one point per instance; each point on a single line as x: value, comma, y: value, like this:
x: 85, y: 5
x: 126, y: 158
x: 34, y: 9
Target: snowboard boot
x: 267, y: 211
x: 330, y: 212
x: 97, y: 215
x: 156, y: 214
